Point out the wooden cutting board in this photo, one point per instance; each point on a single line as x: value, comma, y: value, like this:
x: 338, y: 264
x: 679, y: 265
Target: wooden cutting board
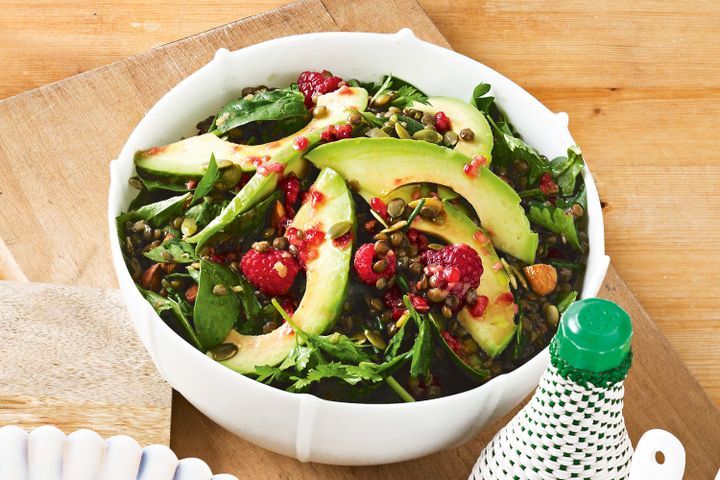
x: 85, y: 121
x: 71, y: 358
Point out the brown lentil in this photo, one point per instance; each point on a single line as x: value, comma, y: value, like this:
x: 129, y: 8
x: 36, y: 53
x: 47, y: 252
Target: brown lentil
x: 467, y: 134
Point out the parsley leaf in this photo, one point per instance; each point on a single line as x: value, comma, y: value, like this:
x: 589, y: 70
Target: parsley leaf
x: 556, y: 220
x: 566, y: 169
x: 405, y: 93
x: 508, y: 148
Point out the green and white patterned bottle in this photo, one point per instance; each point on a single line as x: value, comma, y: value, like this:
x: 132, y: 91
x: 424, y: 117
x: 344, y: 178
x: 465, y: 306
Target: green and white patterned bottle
x: 573, y: 427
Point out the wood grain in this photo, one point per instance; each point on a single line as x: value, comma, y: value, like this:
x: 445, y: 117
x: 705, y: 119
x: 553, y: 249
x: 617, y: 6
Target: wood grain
x: 639, y: 80
x: 659, y: 394
x: 71, y: 358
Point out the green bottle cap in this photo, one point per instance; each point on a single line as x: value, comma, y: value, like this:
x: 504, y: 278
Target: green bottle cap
x: 594, y: 334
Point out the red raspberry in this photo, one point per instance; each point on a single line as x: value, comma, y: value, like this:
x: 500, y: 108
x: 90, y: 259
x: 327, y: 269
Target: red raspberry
x: 393, y: 301
x: 272, y: 272
x: 364, y: 259
x: 457, y: 268
x: 419, y: 303
x: 548, y: 185
x: 317, y: 83
x: 442, y: 122
x: 336, y: 132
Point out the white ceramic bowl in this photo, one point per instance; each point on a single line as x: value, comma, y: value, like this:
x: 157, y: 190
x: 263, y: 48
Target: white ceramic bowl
x: 304, y: 426
x: 47, y: 453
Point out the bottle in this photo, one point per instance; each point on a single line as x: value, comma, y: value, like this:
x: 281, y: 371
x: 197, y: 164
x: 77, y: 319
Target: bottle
x: 573, y: 427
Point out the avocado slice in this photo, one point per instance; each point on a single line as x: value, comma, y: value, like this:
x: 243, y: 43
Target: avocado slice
x: 189, y: 157
x: 463, y: 115
x: 326, y: 285
x: 494, y: 330
x: 380, y: 165
x: 338, y: 104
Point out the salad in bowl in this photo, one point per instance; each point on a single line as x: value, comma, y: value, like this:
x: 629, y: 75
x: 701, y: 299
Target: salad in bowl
x: 358, y: 239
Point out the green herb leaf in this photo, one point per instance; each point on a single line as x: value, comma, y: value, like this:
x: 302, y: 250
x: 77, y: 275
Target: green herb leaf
x: 153, y: 185
x: 172, y: 251
x: 215, y: 314
x: 207, y: 181
x: 373, y: 120
x: 566, y: 301
x: 405, y: 93
x: 566, y: 169
x: 157, y: 214
x: 480, y: 101
x: 268, y: 105
x: 508, y: 148
x: 267, y: 374
x: 162, y: 304
x: 351, y: 374
x: 422, y: 350
x: 556, y: 220
x: 253, y: 220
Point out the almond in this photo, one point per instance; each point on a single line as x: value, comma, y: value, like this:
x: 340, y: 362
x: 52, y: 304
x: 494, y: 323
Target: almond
x: 542, y: 278
x: 278, y: 214
x: 191, y: 293
x: 150, y: 278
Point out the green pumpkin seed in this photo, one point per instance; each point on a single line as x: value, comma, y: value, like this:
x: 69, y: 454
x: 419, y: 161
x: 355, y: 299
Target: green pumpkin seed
x: 378, y: 218
x: 224, y: 351
x: 375, y: 339
x: 136, y: 183
x: 220, y: 290
x: 383, y: 100
x: 339, y: 229
x: 401, y: 132
x: 450, y: 138
x: 395, y: 227
x: 552, y: 315
x: 396, y: 207
x: 376, y: 133
x: 430, y: 136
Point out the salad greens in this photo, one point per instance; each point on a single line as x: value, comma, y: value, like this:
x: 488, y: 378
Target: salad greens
x: 203, y: 251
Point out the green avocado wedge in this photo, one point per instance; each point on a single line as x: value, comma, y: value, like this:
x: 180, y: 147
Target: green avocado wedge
x: 494, y: 330
x: 380, y: 165
x: 190, y: 157
x: 327, y: 276
x: 287, y: 159
x: 462, y: 115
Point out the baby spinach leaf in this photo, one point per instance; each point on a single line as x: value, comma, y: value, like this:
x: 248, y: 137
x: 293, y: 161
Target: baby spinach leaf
x: 373, y: 120
x: 508, y: 148
x: 556, y: 220
x: 267, y: 105
x: 566, y: 169
x: 254, y: 219
x: 162, y: 304
x: 159, y: 213
x: 215, y: 314
x: 172, y: 251
x: 207, y: 181
x: 411, y: 125
x: 153, y: 185
x: 566, y: 301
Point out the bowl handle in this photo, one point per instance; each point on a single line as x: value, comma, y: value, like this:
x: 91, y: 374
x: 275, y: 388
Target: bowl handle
x: 644, y: 461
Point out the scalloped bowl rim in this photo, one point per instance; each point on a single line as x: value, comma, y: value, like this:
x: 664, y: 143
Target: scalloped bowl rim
x: 118, y: 199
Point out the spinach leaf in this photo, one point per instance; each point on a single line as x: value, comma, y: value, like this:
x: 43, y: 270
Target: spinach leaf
x: 580, y: 198
x: 215, y: 314
x: 556, y: 220
x: 422, y: 350
x: 207, y: 181
x: 153, y: 185
x: 373, y: 119
x: 162, y: 304
x: 566, y: 301
x: 172, y: 251
x: 159, y: 213
x: 267, y: 105
x: 253, y: 220
x: 194, y: 274
x: 566, y: 169
x: 508, y: 148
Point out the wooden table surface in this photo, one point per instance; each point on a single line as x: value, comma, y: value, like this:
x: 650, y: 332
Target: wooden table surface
x: 640, y: 81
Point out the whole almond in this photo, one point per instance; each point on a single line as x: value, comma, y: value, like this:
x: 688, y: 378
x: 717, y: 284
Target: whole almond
x: 542, y: 278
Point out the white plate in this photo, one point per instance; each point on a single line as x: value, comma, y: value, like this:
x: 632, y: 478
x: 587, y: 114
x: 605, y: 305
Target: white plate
x: 47, y: 453
x: 301, y: 425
